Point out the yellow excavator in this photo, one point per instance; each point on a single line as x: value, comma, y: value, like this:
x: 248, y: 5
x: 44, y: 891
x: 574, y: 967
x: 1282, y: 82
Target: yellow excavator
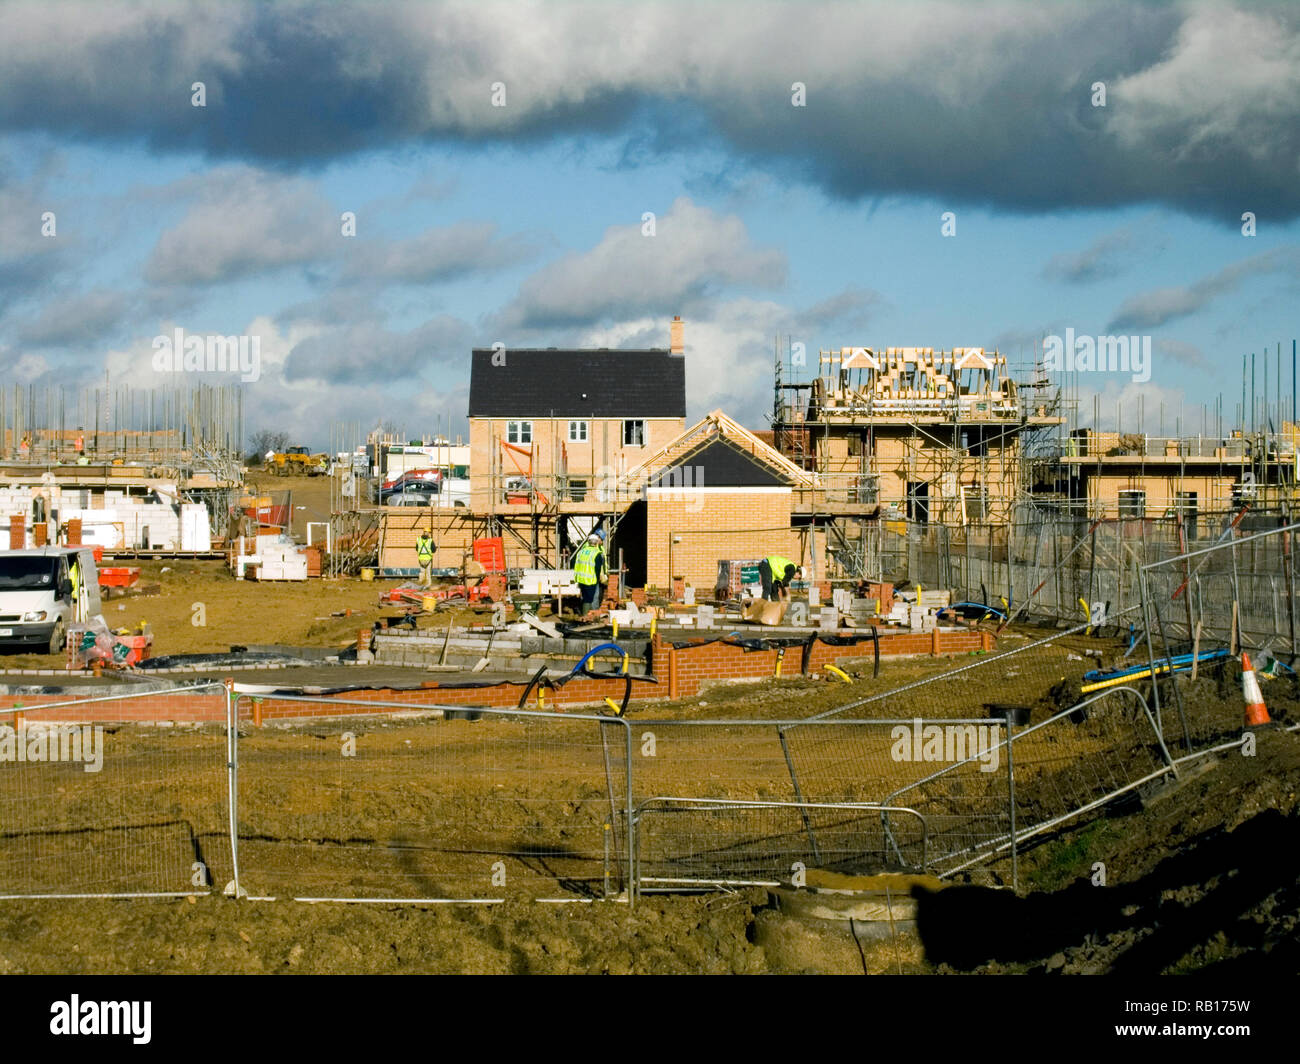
x: 300, y: 462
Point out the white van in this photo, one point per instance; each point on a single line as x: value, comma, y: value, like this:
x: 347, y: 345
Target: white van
x: 36, y: 595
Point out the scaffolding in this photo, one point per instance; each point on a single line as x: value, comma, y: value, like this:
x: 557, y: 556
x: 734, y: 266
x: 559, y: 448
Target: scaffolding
x: 902, y: 434
x: 118, y: 437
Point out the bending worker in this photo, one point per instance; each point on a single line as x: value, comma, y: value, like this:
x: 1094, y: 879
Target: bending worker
x: 590, y: 570
x: 776, y: 573
x: 424, y: 548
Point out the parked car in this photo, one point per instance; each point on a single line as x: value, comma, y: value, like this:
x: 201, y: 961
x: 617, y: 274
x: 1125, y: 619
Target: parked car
x: 410, y: 495
x: 412, y: 480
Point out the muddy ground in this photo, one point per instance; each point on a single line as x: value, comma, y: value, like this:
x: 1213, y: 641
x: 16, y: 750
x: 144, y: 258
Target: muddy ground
x: 1204, y: 878
x: 1199, y: 873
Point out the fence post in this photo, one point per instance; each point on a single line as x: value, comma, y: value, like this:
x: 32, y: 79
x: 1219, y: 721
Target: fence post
x: 1011, y: 800
x: 232, y: 788
x: 1151, y: 653
x: 633, y: 841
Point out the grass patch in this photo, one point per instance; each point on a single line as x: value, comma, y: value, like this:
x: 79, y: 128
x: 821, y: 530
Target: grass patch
x: 1071, y: 859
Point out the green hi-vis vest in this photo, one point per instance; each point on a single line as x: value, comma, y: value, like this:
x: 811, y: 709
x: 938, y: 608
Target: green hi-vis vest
x: 584, y: 565
x: 778, y: 565
x: 424, y: 548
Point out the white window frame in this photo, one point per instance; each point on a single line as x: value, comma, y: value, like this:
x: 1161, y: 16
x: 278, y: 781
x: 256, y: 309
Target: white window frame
x: 579, y: 431
x: 516, y: 431
x: 627, y: 422
x: 1130, y: 496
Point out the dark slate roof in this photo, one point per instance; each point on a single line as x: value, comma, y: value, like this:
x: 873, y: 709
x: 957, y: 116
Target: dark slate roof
x: 543, y: 382
x: 720, y: 464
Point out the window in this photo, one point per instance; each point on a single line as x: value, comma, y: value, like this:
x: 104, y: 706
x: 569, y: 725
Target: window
x: 918, y: 501
x: 519, y: 432
x: 633, y: 433
x: 1188, y: 511
x: 577, y: 432
x: 977, y: 504
x: 1132, y: 503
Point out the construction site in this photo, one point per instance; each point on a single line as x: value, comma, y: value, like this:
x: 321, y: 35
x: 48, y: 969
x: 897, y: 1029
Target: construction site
x: 1012, y: 647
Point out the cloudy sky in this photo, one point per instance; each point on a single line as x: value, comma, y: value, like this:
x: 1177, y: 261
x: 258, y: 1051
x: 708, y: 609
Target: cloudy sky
x: 1094, y: 162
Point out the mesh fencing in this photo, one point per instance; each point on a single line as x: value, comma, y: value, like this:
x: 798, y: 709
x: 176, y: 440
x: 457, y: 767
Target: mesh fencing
x: 483, y: 804
x: 1206, y: 606
x: 1033, y: 676
x: 1062, y: 566
x: 458, y: 803
x: 89, y: 806
x: 745, y: 801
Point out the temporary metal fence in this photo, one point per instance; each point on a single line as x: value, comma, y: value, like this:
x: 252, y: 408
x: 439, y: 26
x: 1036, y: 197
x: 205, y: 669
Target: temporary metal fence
x: 1050, y: 564
x: 92, y: 809
x: 745, y: 801
x: 373, y: 801
x: 686, y: 843
x: 484, y: 805
x: 1077, y: 760
x: 1238, y: 594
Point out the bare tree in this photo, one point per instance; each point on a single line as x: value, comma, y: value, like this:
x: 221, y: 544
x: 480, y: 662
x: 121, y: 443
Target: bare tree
x: 268, y: 440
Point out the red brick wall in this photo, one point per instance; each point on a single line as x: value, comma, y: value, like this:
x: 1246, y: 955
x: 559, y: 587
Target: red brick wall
x: 681, y: 673
x: 688, y: 669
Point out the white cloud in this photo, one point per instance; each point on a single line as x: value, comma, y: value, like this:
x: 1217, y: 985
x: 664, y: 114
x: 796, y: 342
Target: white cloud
x: 244, y: 223
x: 693, y: 252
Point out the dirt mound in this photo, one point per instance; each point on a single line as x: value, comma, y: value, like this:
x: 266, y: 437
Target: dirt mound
x: 1205, y: 874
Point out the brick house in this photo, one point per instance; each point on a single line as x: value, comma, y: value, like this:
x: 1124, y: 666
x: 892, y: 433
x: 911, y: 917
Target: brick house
x: 714, y: 492
x: 546, y: 425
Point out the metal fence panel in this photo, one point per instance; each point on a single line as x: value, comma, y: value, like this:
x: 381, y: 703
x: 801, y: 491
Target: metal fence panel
x: 478, y: 804
x: 92, y: 807
x: 744, y: 800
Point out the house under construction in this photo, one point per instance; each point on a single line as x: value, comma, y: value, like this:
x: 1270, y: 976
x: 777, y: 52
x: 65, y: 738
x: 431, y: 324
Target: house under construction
x: 910, y: 434
x: 135, y: 461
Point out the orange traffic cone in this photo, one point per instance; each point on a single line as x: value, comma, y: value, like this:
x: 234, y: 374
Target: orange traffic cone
x: 1256, y: 711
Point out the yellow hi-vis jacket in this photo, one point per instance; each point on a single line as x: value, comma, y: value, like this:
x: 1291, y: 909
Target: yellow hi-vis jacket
x: 584, y: 564
x: 424, y: 548
x: 778, y: 565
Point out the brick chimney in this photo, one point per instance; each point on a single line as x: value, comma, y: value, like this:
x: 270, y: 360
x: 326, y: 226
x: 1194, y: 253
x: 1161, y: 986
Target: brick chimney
x: 676, y: 345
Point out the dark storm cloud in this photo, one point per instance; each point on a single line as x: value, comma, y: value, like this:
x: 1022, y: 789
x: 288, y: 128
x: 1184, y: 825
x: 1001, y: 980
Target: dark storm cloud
x: 968, y: 103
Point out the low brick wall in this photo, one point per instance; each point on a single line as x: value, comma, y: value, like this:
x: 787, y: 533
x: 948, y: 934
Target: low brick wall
x: 682, y: 672
x: 686, y: 670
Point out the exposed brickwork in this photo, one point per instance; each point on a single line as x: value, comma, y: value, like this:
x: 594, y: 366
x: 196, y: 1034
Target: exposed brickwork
x: 682, y: 673
x: 712, y: 527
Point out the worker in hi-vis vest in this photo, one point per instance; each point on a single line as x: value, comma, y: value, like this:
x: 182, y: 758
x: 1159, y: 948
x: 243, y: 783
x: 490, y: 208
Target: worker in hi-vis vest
x: 776, y: 573
x: 74, y: 578
x: 424, y: 548
x: 590, y: 570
